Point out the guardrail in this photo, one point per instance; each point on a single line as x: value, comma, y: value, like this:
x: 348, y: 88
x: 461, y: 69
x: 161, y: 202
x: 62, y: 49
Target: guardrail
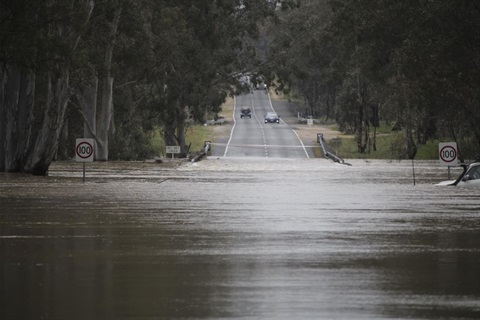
x: 202, y: 153
x: 327, y: 152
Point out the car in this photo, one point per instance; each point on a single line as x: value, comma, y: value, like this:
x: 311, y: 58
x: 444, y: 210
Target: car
x: 272, y: 117
x: 470, y: 177
x: 245, y: 111
x: 261, y: 86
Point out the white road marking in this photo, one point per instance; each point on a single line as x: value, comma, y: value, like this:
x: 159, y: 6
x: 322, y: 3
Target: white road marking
x: 233, y: 127
x: 265, y: 145
x: 301, y: 142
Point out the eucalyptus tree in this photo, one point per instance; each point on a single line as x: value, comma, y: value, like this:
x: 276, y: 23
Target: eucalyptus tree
x: 325, y: 61
x: 61, y: 54
x: 366, y: 35
x: 441, y: 56
x: 412, y: 63
x: 302, y: 56
x: 202, y: 48
x: 39, y: 41
x: 421, y: 60
x: 117, y: 44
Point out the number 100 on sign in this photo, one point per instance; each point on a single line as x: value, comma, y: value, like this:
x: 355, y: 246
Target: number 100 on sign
x: 84, y: 150
x: 447, y: 153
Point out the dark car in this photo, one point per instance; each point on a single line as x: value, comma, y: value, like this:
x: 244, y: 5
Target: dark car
x: 245, y: 112
x: 272, y: 117
x: 261, y: 86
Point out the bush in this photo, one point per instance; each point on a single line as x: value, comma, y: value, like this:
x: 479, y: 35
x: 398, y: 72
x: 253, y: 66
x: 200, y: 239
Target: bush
x: 131, y: 143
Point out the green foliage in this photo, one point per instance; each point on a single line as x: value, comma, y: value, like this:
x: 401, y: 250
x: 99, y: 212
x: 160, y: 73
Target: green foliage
x: 414, y: 64
x: 197, y: 135
x: 390, y: 146
x: 132, y: 143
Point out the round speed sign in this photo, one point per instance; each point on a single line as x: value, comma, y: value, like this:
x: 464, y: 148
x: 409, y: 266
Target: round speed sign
x: 448, y: 153
x: 84, y: 150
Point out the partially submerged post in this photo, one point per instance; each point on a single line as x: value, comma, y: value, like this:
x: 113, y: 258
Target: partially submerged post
x: 448, y: 155
x: 84, y: 152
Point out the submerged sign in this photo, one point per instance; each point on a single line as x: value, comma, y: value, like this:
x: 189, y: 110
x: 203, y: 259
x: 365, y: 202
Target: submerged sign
x: 447, y: 153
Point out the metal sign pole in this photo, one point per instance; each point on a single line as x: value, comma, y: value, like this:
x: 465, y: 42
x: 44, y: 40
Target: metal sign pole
x: 413, y: 170
x: 84, y: 172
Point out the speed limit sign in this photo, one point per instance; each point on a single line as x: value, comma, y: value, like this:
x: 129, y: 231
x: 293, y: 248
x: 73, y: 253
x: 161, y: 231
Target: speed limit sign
x: 84, y: 150
x: 447, y: 153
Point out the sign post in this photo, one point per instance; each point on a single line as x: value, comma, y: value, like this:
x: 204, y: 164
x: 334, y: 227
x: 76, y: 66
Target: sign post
x: 84, y: 149
x: 448, y: 155
x: 206, y: 146
x: 172, y: 150
x: 310, y: 121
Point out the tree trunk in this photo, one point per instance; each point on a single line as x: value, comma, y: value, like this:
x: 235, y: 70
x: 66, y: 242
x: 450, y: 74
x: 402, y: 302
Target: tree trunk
x: 361, y: 119
x: 410, y: 144
x: 375, y: 123
x: 46, y: 143
x: 87, y: 98
x: 169, y: 134
x: 68, y: 34
x: 181, y: 133
x: 3, y: 117
x: 105, y: 122
x: 17, y: 91
x: 359, y: 130
x: 174, y: 132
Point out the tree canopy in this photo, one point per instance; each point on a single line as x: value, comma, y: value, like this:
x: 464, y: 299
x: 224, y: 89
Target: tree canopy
x: 415, y: 64
x: 115, y: 70
x: 155, y: 61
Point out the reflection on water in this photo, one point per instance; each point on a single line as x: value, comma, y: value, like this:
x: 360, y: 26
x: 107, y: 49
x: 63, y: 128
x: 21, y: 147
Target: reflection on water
x: 236, y: 238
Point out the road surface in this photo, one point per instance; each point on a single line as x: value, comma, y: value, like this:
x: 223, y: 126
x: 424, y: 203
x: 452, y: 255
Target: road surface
x: 251, y: 137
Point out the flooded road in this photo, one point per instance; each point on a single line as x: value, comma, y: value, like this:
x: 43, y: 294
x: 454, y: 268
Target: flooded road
x: 239, y: 238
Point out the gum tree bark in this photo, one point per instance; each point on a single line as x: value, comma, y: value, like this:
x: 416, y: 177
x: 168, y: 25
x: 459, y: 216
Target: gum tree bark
x: 45, y: 146
x: 362, y: 126
x: 17, y: 91
x: 58, y: 91
x: 105, y: 120
x: 87, y: 98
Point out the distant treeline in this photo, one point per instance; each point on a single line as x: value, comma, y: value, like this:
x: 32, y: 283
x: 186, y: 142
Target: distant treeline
x: 414, y: 64
x: 119, y: 70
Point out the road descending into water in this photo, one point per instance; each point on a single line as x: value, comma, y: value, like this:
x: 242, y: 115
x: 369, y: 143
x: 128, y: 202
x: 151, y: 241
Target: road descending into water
x: 252, y: 137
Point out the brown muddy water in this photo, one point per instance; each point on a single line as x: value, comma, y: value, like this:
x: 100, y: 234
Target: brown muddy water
x: 239, y: 238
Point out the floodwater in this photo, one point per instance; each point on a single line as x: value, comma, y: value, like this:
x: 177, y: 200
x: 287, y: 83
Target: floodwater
x: 239, y: 238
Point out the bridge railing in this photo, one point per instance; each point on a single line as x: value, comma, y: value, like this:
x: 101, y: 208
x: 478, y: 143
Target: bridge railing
x: 327, y: 151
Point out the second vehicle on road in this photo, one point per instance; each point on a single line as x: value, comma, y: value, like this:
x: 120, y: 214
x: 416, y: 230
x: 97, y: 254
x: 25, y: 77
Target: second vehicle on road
x: 272, y: 117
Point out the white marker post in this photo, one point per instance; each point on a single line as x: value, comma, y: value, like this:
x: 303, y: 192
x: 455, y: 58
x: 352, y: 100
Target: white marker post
x: 172, y: 150
x: 84, y: 149
x: 448, y: 155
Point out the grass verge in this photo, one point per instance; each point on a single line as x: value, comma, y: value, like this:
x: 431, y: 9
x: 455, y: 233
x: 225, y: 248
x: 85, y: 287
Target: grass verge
x: 197, y: 134
x: 391, y: 146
